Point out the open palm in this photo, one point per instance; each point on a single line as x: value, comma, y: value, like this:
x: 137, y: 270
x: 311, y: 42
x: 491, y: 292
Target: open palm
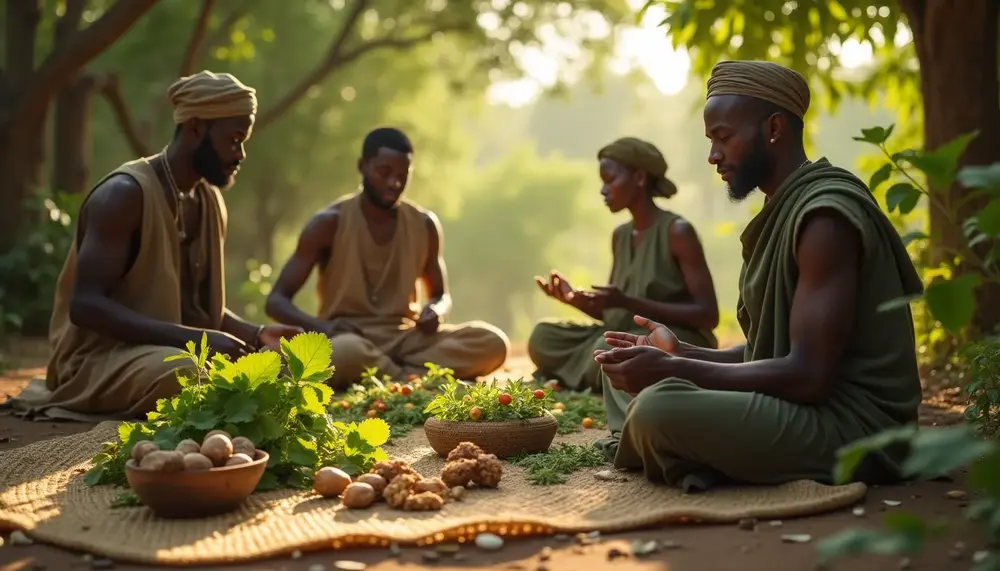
x: 659, y: 336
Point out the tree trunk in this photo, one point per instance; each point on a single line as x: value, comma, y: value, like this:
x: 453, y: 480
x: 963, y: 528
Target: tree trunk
x: 956, y: 43
x: 72, y: 136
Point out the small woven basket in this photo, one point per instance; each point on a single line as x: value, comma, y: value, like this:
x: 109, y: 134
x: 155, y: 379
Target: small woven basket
x: 505, y: 439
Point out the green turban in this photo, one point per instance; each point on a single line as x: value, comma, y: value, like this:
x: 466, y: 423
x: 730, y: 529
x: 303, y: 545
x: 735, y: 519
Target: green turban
x: 207, y: 95
x: 765, y: 80
x: 638, y: 154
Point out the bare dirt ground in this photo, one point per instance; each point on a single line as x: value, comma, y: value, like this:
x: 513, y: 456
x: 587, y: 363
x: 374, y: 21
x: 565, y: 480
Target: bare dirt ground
x: 709, y: 548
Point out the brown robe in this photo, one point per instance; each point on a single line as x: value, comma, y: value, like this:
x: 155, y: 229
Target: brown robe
x: 92, y: 377
x: 373, y: 286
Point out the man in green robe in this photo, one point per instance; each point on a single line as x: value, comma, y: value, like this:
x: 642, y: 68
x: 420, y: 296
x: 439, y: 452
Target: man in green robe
x: 822, y: 365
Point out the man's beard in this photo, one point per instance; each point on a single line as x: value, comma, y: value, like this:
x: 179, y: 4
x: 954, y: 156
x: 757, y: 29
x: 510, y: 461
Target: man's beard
x: 752, y: 172
x: 208, y: 164
x: 373, y: 196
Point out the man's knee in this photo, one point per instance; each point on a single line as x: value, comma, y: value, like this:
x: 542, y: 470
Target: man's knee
x: 543, y: 335
x: 491, y: 341
x: 665, y: 409
x: 350, y: 356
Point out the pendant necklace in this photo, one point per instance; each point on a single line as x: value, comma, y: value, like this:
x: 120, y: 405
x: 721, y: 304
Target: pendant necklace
x: 178, y: 196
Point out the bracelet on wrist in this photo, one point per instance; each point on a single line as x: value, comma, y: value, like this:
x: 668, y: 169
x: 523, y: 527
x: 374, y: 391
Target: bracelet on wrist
x: 256, y: 337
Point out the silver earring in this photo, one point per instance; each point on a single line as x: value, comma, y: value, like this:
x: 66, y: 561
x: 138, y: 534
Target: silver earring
x: 772, y: 141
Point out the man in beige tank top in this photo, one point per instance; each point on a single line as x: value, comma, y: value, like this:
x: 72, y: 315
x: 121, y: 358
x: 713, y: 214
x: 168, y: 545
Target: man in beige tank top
x: 370, y: 249
x: 145, y: 274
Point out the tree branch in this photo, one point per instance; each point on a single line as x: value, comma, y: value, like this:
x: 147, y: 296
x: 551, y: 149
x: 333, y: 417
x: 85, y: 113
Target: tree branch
x: 216, y: 37
x: 197, y: 37
x: 65, y: 61
x: 111, y: 90
x: 319, y: 72
x: 70, y: 22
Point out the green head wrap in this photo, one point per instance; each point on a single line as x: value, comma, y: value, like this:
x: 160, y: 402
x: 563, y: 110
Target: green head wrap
x: 638, y: 154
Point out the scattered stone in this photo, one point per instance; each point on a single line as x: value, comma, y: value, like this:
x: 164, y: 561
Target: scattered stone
x: 747, y: 524
x: 102, y: 563
x: 430, y: 556
x: 458, y: 493
x: 891, y: 503
x: 858, y: 511
x: 980, y: 556
x: 775, y: 523
x: 561, y: 537
x: 594, y: 534
x: 394, y: 549
x: 606, y: 475
x: 345, y: 565
x: 584, y: 539
x: 959, y: 545
x: 796, y: 538
x: 17, y: 537
x: 616, y: 553
x: 905, y: 563
x: 447, y: 548
x: 955, y: 494
x: 489, y: 541
x: 296, y: 554
x: 641, y: 548
x: 915, y: 496
x: 317, y: 567
x: 545, y: 554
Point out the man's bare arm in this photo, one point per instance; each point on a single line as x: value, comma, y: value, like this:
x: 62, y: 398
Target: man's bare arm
x: 435, y: 274
x: 703, y: 310
x: 730, y: 355
x: 829, y: 254
x: 314, y: 243
x: 108, y: 220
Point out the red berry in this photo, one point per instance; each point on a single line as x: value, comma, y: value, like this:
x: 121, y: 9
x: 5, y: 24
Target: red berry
x: 381, y: 407
x: 405, y: 390
x: 539, y: 394
x: 476, y: 413
x: 505, y: 399
x: 394, y: 388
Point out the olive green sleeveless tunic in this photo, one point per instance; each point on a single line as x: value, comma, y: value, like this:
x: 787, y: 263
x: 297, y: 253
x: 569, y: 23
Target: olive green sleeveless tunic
x: 374, y: 286
x: 564, y: 350
x: 91, y: 377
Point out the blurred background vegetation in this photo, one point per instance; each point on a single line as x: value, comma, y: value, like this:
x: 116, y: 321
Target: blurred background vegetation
x: 506, y: 101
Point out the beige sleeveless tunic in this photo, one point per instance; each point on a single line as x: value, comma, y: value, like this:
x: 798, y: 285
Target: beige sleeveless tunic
x: 374, y: 286
x: 91, y: 377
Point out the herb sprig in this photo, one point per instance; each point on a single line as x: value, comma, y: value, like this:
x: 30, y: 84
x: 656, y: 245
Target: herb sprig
x: 555, y: 465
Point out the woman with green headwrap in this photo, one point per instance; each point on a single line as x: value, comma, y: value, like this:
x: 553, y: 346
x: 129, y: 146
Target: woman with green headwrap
x: 658, y: 271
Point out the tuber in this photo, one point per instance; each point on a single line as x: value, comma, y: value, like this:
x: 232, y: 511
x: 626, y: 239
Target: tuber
x: 244, y: 445
x: 212, y: 433
x: 163, y: 461
x: 194, y: 461
x: 330, y: 482
x: 187, y: 447
x: 375, y: 481
x: 358, y: 495
x: 238, y: 459
x: 218, y: 448
x: 142, y: 448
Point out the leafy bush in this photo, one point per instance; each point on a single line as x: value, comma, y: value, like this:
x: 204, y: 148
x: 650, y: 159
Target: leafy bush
x: 983, y: 387
x: 281, y: 409
x: 489, y: 402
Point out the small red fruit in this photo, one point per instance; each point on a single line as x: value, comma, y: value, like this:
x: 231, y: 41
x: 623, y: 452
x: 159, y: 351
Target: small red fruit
x: 409, y: 406
x: 371, y: 414
x: 476, y: 413
x: 345, y: 404
x: 405, y: 390
x: 381, y: 407
x: 467, y: 398
x: 394, y: 388
x: 413, y: 377
x: 539, y: 394
x: 587, y: 423
x: 504, y: 399
x: 559, y: 406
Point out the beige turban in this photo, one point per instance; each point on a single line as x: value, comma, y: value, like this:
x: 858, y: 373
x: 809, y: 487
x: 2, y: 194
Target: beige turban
x: 638, y: 154
x: 771, y: 82
x: 207, y: 95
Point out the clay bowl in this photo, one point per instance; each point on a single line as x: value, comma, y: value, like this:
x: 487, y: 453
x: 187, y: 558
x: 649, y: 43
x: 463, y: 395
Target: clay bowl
x: 505, y: 439
x: 194, y: 494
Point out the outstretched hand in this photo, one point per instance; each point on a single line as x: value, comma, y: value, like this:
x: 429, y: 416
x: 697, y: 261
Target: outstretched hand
x: 556, y: 287
x: 659, y: 336
x: 634, y: 368
x: 271, y: 335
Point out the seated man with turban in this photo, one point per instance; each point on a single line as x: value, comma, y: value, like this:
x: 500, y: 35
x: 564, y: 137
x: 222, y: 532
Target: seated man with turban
x: 658, y: 270
x: 145, y: 274
x: 822, y: 366
x: 370, y: 249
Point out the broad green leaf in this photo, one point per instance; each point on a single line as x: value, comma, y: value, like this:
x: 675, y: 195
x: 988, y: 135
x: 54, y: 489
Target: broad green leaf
x: 94, y: 476
x: 309, y: 401
x: 897, y: 303
x: 294, y: 364
x: 325, y: 392
x: 380, y: 455
x: 355, y: 444
x: 875, y: 135
x: 937, y: 451
x: 271, y: 428
x: 905, y: 522
x: 253, y: 431
x: 902, y: 196
x: 984, y: 177
x: 880, y: 176
x: 857, y: 541
x: 125, y: 430
x: 953, y: 302
x: 313, y: 350
x: 261, y: 367
x: 849, y: 457
x: 240, y: 408
x: 177, y: 357
x: 319, y: 377
x: 269, y: 481
x: 941, y: 164
x: 204, y: 350
x: 911, y: 237
x: 985, y: 473
x: 988, y: 219
x: 374, y: 431
x: 224, y: 371
x: 302, y: 452
x: 202, y: 419
x: 167, y: 438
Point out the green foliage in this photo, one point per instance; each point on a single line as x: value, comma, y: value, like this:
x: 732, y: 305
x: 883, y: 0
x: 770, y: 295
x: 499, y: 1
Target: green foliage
x: 983, y: 386
x: 950, y: 298
x: 933, y: 453
x: 553, y: 466
x: 281, y: 409
x: 489, y: 402
x: 572, y: 407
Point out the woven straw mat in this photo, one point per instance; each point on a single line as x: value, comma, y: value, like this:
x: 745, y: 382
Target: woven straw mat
x: 42, y: 492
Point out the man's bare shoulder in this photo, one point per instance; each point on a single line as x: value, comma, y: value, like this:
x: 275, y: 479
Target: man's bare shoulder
x: 322, y: 227
x: 116, y: 201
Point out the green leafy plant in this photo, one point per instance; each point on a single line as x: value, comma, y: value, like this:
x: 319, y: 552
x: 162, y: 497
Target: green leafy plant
x: 281, y: 409
x: 573, y: 408
x: 553, y: 466
x: 489, y: 402
x: 932, y: 453
x: 400, y: 404
x: 983, y: 388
